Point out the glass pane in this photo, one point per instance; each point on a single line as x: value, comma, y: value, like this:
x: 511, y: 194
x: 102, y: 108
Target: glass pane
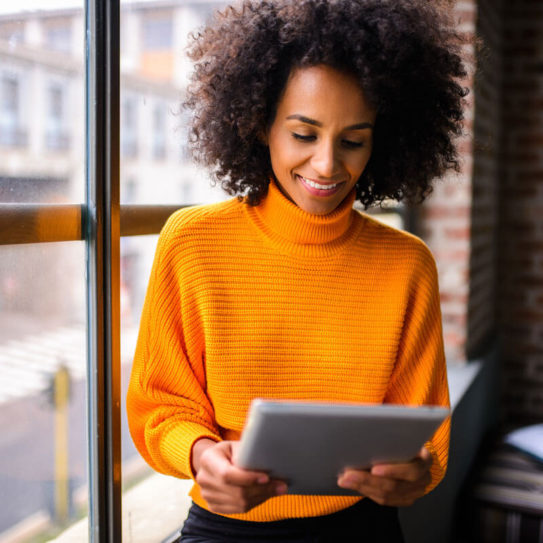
x: 155, y: 165
x: 154, y: 505
x: 43, y: 450
x: 155, y: 169
x: 42, y: 114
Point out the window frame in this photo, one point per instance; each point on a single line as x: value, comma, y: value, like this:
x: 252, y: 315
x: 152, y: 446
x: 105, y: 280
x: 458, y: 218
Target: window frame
x: 101, y: 230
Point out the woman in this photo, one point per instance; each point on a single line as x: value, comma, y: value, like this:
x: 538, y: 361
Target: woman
x: 287, y: 292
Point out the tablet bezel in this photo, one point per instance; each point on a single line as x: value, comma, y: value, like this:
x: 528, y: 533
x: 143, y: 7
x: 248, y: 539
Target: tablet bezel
x: 308, y: 444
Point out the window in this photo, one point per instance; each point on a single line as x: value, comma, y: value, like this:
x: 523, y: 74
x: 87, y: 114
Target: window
x: 159, y: 131
x: 157, y: 33
x: 58, y: 36
x: 12, y: 32
x: 56, y: 133
x: 187, y: 189
x: 11, y: 131
x: 129, y: 122
x: 158, y: 56
x: 129, y: 190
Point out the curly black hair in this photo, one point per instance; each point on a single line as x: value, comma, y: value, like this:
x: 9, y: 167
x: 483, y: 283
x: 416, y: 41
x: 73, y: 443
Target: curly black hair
x: 405, y: 54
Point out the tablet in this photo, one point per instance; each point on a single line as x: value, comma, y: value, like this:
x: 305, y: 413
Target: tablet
x: 309, y: 444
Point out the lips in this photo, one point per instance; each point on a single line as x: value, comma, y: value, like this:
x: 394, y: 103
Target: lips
x: 319, y: 189
x: 319, y: 186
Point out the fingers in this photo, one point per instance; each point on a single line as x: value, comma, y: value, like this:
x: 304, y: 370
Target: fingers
x: 391, y: 484
x: 382, y: 490
x: 216, y: 465
x: 407, y: 471
x: 228, y: 489
x: 240, y: 499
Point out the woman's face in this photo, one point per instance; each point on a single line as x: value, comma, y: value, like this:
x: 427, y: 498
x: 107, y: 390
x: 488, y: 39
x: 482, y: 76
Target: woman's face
x: 321, y: 138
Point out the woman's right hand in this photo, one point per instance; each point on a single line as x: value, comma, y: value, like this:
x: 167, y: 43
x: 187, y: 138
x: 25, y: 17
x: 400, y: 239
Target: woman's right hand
x: 226, y: 488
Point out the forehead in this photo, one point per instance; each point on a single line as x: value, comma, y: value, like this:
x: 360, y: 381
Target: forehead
x: 324, y: 93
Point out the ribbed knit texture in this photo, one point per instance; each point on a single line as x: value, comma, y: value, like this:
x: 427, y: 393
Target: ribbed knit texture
x: 273, y: 302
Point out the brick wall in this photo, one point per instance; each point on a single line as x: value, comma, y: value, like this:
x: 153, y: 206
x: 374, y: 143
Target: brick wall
x: 485, y: 226
x: 444, y: 221
x: 520, y: 292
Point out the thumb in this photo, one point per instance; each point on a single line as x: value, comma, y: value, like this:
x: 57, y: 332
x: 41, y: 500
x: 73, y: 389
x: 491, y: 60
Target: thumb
x: 426, y: 456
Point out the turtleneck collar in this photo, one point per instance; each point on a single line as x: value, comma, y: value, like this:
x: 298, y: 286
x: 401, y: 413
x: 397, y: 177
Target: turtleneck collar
x: 286, y: 224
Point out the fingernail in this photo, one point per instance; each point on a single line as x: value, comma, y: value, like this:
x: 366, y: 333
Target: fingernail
x: 345, y: 482
x: 377, y: 470
x: 281, y: 488
x: 263, y: 479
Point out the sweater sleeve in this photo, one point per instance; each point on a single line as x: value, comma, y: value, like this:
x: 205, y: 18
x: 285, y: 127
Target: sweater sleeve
x: 167, y: 406
x: 420, y: 375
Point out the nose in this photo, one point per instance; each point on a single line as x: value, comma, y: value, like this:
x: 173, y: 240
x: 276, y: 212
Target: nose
x: 325, y: 161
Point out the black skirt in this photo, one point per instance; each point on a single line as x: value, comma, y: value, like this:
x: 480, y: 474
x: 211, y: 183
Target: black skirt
x: 363, y: 522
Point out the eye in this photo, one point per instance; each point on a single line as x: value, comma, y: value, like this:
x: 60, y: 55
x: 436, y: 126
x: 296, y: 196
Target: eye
x: 352, y: 144
x: 303, y: 137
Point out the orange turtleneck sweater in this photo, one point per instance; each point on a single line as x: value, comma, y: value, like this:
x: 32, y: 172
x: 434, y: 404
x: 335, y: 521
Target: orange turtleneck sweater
x: 273, y: 302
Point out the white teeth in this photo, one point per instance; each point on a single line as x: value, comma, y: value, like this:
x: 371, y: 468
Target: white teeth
x: 318, y: 186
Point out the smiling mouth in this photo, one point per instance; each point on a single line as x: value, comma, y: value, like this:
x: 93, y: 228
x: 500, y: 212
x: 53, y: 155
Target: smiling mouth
x: 318, y: 186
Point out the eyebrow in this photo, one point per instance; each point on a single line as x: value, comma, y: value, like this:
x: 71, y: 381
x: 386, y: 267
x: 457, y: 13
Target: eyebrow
x: 307, y: 120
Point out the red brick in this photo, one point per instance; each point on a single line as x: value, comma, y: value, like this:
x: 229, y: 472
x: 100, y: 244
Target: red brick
x: 520, y: 228
x: 529, y: 33
x: 452, y: 255
x: 451, y: 318
x: 450, y: 297
x: 520, y: 85
x: 462, y: 233
x: 535, y: 140
x: 527, y: 349
x: 529, y: 190
x: 529, y: 246
x: 443, y: 211
x: 525, y: 16
x: 465, y: 147
x: 533, y: 281
x: 515, y: 118
x: 536, y: 176
x: 463, y: 16
x: 520, y: 50
x: 523, y: 157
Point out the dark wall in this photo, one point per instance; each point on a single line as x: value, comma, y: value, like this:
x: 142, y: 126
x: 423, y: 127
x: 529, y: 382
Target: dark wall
x: 434, y: 518
x: 520, y: 280
x: 482, y: 310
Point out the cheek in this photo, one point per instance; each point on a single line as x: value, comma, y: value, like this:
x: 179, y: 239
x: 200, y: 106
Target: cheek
x: 358, y: 165
x: 286, y: 156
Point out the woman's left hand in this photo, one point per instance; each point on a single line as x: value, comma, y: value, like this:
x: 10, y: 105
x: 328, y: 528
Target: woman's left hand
x: 391, y: 484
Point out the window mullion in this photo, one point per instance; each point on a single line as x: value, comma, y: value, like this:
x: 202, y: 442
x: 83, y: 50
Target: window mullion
x: 102, y: 230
